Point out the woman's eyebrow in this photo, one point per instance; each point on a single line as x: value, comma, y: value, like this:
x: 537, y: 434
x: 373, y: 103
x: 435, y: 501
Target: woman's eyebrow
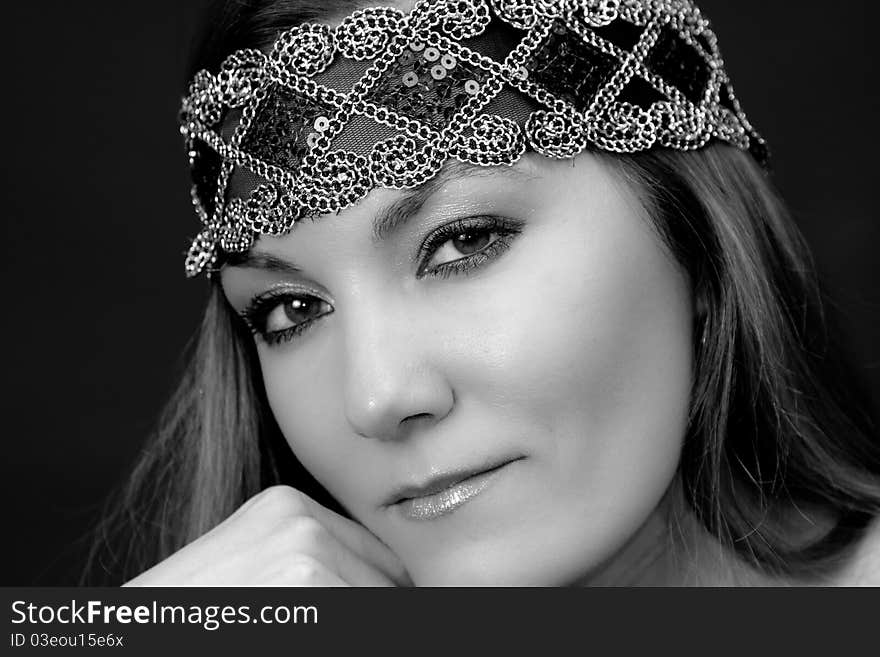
x: 253, y: 259
x: 395, y: 215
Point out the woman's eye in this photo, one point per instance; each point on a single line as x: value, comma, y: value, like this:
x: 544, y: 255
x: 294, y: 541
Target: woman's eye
x: 460, y: 246
x: 292, y: 313
x: 464, y: 244
x: 278, y: 318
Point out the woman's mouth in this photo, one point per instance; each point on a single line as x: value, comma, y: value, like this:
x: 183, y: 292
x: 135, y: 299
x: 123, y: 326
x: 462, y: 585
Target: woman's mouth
x: 446, y: 493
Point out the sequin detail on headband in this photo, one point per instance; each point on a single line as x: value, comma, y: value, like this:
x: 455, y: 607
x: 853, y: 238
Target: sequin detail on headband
x: 385, y: 98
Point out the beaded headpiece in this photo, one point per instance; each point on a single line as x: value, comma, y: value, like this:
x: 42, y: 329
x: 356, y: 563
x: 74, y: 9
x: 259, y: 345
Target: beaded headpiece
x: 386, y: 97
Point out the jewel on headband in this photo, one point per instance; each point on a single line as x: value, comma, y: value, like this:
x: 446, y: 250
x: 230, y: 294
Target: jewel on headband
x: 386, y: 97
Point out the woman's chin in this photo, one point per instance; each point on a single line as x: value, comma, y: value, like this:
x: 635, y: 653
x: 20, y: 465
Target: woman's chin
x: 493, y: 568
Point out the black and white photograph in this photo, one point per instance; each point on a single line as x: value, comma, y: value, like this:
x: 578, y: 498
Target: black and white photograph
x: 441, y: 293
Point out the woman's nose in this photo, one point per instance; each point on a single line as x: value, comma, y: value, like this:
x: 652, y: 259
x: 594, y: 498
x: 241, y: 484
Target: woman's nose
x: 392, y: 385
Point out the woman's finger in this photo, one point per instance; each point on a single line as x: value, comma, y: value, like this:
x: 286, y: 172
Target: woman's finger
x: 286, y: 503
x: 304, y: 570
x: 307, y: 536
x: 361, y: 541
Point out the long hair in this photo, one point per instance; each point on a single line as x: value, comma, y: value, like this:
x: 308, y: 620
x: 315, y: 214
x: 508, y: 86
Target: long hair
x: 781, y: 460
x: 779, y: 426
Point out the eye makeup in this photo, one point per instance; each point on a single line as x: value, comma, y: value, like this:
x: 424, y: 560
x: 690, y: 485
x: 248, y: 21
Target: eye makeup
x: 504, y: 228
x: 290, y: 302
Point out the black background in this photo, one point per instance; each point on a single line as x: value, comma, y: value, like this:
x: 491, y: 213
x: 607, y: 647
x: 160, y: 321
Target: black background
x: 97, y: 216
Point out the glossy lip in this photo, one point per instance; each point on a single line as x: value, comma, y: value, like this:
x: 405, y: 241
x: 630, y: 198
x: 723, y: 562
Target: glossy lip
x: 446, y: 481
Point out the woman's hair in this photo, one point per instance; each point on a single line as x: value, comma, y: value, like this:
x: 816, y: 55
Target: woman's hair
x: 781, y: 461
x: 779, y: 429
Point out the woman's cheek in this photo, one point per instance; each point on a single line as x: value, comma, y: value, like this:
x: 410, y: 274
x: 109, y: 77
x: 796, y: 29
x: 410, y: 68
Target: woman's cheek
x: 304, y: 395
x: 592, y: 312
x: 598, y: 366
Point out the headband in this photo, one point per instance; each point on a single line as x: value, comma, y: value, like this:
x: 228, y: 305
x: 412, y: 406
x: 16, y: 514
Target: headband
x: 386, y: 97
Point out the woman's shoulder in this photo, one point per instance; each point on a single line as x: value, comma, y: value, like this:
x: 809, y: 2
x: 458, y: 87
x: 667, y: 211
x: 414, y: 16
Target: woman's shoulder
x: 864, y: 567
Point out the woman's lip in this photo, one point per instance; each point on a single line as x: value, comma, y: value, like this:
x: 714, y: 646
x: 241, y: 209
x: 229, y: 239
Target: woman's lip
x: 444, y: 481
x: 444, y: 494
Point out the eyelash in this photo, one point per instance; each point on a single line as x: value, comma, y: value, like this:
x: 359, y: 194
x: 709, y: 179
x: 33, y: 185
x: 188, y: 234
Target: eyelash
x: 257, y: 313
x: 506, y: 229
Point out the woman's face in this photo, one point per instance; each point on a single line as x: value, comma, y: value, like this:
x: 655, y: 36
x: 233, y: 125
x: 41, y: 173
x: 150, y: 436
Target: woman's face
x: 526, y: 317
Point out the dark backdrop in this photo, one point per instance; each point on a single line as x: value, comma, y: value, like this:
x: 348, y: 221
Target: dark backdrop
x: 96, y: 216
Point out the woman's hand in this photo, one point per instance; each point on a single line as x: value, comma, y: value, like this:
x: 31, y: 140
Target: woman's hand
x: 280, y: 537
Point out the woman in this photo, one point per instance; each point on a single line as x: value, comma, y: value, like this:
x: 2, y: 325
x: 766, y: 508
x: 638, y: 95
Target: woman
x: 500, y: 294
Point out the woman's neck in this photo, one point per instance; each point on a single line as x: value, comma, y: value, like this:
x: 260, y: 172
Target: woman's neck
x: 672, y: 548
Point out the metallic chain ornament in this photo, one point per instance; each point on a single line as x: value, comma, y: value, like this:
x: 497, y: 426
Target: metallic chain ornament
x: 386, y: 97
